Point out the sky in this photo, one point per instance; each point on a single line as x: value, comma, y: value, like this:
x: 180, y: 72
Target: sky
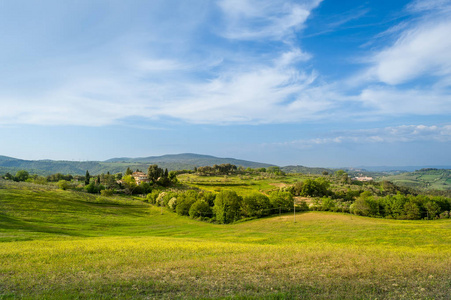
x: 309, y: 82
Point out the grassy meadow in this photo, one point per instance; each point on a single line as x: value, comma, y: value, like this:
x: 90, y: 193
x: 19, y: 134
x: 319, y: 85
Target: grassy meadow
x: 68, y: 245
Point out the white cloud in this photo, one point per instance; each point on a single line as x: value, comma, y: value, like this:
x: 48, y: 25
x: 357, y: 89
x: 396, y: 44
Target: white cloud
x: 403, y: 134
x: 437, y: 6
x: 174, y: 71
x: 256, y: 19
x: 160, y: 65
x: 166, y: 74
x: 391, y: 101
x: 422, y: 46
x: 421, y: 51
x: 260, y: 94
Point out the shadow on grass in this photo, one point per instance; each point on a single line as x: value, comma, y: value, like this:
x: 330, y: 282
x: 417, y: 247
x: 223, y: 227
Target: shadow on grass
x: 9, y: 223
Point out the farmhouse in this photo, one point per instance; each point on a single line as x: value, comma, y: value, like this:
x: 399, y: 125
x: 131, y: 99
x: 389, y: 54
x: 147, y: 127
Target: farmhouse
x: 363, y: 178
x: 140, y: 177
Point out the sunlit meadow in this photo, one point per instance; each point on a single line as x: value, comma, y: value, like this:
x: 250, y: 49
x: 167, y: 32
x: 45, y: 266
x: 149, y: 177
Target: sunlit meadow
x: 69, y: 245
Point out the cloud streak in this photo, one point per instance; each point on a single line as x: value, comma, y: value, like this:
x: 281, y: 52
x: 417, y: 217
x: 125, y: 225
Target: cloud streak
x: 398, y: 134
x: 247, y: 69
x: 273, y: 19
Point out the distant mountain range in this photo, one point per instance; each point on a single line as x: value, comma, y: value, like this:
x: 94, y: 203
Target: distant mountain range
x: 115, y: 165
x: 191, y: 160
x: 400, y: 168
x: 172, y: 162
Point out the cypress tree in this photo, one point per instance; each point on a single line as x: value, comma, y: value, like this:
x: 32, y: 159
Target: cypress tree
x: 87, y: 178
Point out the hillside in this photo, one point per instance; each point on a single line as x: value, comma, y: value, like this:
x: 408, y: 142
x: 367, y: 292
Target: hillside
x: 58, y: 244
x: 190, y: 160
x: 427, y: 179
x: 115, y: 165
x: 306, y: 170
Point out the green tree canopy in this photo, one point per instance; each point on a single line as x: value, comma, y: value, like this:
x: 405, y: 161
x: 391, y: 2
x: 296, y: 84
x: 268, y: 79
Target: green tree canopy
x: 227, y: 207
x: 21, y: 175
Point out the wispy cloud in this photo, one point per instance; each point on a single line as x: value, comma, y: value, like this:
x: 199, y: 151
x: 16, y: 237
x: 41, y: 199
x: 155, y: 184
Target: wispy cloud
x: 158, y: 69
x: 399, y: 134
x: 164, y: 73
x: 422, y: 46
x: 422, y: 50
x: 257, y: 19
x: 382, y: 100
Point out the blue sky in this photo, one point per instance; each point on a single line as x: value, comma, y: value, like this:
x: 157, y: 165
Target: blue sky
x: 314, y: 83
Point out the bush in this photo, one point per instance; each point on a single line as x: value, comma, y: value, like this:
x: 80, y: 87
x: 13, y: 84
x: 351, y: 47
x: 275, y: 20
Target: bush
x: 172, y: 204
x: 327, y: 204
x: 152, y: 197
x: 303, y: 206
x: 92, y: 188
x: 107, y: 193
x: 63, y: 184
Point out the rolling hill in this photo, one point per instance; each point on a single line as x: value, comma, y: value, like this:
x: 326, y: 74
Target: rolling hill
x: 428, y: 178
x: 115, y: 165
x: 69, y: 245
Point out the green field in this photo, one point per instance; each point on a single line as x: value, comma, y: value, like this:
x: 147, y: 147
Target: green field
x: 67, y: 245
x: 425, y: 179
x: 243, y: 184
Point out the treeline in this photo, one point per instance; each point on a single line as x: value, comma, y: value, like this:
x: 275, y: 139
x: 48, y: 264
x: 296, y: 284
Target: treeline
x: 229, y: 169
x: 224, y: 207
x: 321, y: 186
x: 400, y: 207
x: 381, y: 200
x: 105, y: 184
x: 222, y: 169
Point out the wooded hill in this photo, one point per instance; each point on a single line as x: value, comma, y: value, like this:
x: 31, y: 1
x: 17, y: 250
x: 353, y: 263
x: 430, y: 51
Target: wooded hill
x: 115, y: 165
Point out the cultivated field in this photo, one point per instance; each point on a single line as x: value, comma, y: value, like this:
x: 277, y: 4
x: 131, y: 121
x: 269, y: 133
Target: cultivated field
x: 428, y: 179
x: 68, y: 245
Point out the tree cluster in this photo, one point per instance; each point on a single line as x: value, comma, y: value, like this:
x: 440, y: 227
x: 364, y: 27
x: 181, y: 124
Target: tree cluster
x: 399, y: 206
x: 21, y: 175
x: 223, y: 169
x: 224, y: 207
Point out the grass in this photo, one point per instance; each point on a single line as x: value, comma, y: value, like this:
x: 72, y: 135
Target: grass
x: 66, y: 245
x: 241, y: 184
x: 424, y: 179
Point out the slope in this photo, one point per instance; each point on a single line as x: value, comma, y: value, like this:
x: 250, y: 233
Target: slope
x: 59, y: 244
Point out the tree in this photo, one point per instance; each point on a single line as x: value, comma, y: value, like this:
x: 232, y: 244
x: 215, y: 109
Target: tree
x: 412, y: 211
x: 366, y: 205
x: 128, y: 171
x: 185, y: 201
x: 173, y: 176
x: 256, y: 205
x: 200, y: 209
x: 129, y: 183
x: 314, y: 188
x: 154, y: 173
x: 432, y: 209
x: 92, y: 188
x: 21, y: 175
x: 87, y: 178
x: 283, y: 200
x: 227, y: 207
